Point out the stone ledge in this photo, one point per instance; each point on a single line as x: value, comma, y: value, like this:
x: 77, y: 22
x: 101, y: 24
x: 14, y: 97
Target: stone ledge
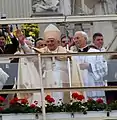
x: 47, y: 14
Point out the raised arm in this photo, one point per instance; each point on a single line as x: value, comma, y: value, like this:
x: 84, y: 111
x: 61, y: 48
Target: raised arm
x: 21, y: 39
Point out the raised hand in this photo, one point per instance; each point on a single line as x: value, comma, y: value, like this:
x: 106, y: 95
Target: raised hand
x: 20, y: 36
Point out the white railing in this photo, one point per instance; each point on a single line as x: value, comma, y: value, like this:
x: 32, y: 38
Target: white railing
x: 60, y: 19
x: 42, y: 89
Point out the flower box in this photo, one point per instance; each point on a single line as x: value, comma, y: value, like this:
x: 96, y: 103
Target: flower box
x: 20, y: 109
x: 19, y: 116
x: 91, y: 115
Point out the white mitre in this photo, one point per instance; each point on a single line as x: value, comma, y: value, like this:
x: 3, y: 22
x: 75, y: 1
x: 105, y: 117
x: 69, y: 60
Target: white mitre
x: 52, y: 31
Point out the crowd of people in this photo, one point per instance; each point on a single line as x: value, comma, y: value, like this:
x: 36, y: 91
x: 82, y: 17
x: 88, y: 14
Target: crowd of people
x: 86, y: 70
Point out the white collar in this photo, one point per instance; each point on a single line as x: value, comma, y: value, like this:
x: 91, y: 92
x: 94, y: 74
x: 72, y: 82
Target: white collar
x: 82, y: 48
x: 54, y: 51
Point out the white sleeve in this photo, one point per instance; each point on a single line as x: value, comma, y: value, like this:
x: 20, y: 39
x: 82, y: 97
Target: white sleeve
x: 3, y: 76
x: 26, y: 49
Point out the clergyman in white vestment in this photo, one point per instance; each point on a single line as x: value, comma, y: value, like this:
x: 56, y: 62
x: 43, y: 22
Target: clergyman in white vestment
x: 93, y: 66
x: 55, y: 71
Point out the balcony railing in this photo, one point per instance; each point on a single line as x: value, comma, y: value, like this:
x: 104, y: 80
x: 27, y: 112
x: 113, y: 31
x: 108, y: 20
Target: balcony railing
x: 29, y: 74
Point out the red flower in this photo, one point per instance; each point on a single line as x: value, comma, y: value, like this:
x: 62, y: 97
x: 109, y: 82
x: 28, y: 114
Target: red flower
x: 1, y: 109
x: 2, y: 99
x: 90, y: 100
x: 32, y: 105
x: 14, y: 100
x: 50, y: 100
x: 100, y: 100
x: 47, y: 97
x: 75, y: 95
x: 80, y: 97
x: 24, y: 101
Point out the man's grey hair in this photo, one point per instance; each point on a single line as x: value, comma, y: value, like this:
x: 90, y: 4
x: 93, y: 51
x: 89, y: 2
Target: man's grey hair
x: 83, y: 33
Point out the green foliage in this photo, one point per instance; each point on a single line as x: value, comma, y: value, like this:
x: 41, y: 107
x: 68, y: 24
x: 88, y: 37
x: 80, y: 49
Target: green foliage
x: 31, y: 30
x: 93, y: 105
x: 76, y: 105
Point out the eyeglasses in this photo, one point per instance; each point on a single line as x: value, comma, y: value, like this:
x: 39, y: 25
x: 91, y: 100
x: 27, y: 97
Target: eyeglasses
x: 43, y: 45
x: 63, y: 41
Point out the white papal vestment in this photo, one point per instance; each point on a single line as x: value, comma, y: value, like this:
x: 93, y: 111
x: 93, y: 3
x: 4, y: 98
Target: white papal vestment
x: 55, y: 72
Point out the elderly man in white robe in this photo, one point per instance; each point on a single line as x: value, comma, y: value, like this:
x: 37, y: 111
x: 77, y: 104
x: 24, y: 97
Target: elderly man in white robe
x: 93, y: 67
x: 28, y: 75
x: 55, y: 73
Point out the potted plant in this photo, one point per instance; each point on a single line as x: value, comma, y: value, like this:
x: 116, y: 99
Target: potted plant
x: 76, y: 108
x: 19, y: 109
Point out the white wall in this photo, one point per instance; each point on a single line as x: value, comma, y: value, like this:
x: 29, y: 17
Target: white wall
x: 15, y: 8
x: 106, y: 28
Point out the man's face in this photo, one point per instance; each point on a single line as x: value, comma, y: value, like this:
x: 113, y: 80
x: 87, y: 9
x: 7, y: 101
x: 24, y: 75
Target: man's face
x: 2, y: 41
x: 64, y: 42
x: 40, y: 44
x: 98, y: 41
x: 79, y: 40
x: 52, y: 44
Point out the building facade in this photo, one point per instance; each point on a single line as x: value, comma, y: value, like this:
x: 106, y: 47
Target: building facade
x: 23, y: 8
x: 16, y: 8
